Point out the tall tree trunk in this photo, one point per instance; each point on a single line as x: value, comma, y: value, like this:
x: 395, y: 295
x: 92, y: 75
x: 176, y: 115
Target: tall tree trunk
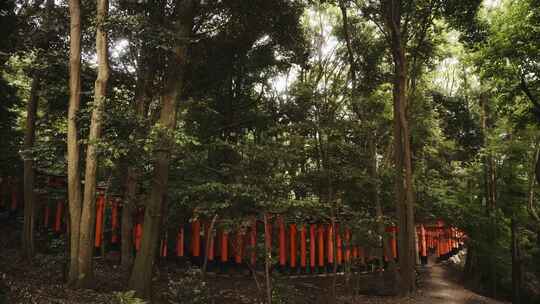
x: 516, y: 264
x: 531, y: 208
x: 74, y: 186
x: 489, y: 192
x: 402, y: 151
x: 29, y: 139
x: 29, y: 172
x: 142, y: 100
x: 267, y: 257
x: 88, y: 217
x: 128, y: 205
x: 381, y: 229
x: 141, y: 276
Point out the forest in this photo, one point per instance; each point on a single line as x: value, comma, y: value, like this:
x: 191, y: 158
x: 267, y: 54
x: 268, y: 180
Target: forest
x: 269, y: 151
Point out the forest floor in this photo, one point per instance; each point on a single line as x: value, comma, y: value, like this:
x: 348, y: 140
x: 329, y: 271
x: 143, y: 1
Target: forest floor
x: 42, y: 280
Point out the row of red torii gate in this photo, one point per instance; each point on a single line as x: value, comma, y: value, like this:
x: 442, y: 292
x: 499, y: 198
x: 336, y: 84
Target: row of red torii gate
x: 312, y: 246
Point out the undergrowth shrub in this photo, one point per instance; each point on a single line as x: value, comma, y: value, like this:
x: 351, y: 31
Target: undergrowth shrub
x: 189, y: 289
x: 127, y: 297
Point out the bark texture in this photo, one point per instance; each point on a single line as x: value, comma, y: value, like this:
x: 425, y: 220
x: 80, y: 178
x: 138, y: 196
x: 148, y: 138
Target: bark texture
x: 29, y: 139
x: 88, y: 217
x: 143, y: 97
x: 402, y: 150
x: 141, y: 276
x: 517, y: 276
x: 74, y: 185
x: 29, y: 171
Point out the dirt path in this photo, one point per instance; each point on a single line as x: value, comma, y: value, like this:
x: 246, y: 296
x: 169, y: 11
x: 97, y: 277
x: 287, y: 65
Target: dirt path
x: 441, y: 285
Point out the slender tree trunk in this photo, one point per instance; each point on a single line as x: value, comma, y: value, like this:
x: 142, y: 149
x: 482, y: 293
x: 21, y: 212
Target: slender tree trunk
x: 127, y: 220
x: 141, y: 276
x: 267, y: 257
x: 381, y: 229
x: 88, y: 217
x: 29, y: 139
x: 531, y: 208
x: 516, y: 264
x: 402, y: 152
x: 74, y: 186
x: 489, y: 192
x: 209, y: 239
x: 142, y: 100
x: 29, y: 172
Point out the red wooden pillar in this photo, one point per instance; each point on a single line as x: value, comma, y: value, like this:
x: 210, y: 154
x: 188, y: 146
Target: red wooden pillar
x: 293, y: 232
x: 394, y: 242
x: 138, y: 236
x: 164, y: 247
x: 303, y: 246
x: 320, y: 235
x: 253, y: 241
x: 312, y: 252
x: 282, y: 245
x: 114, y: 221
x: 46, y: 215
x: 99, y: 219
x: 355, y: 252
x: 348, y: 250
x: 224, y: 246
x: 438, y: 241
x: 196, y: 238
x: 449, y: 238
x: 58, y: 219
x: 180, y: 242
x: 330, y: 243
x: 238, y: 247
x: 361, y: 255
x: 339, y: 245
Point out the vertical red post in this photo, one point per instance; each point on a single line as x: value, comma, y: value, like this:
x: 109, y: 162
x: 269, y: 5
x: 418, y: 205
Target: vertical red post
x: 224, y: 246
x: 320, y: 235
x: 312, y: 252
x: 46, y: 215
x: 196, y: 238
x: 114, y: 222
x: 180, y: 242
x: 99, y: 219
x: 292, y: 231
x: 339, y: 245
x: 164, y: 247
x: 253, y: 241
x: 138, y: 236
x: 347, y: 245
x: 303, y: 246
x: 439, y: 244
x: 58, y: 219
x: 282, y: 245
x: 330, y: 242
x: 394, y: 242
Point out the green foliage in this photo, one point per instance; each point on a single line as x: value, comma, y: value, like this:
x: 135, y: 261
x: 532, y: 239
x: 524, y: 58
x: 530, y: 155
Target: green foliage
x: 127, y: 297
x: 189, y: 289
